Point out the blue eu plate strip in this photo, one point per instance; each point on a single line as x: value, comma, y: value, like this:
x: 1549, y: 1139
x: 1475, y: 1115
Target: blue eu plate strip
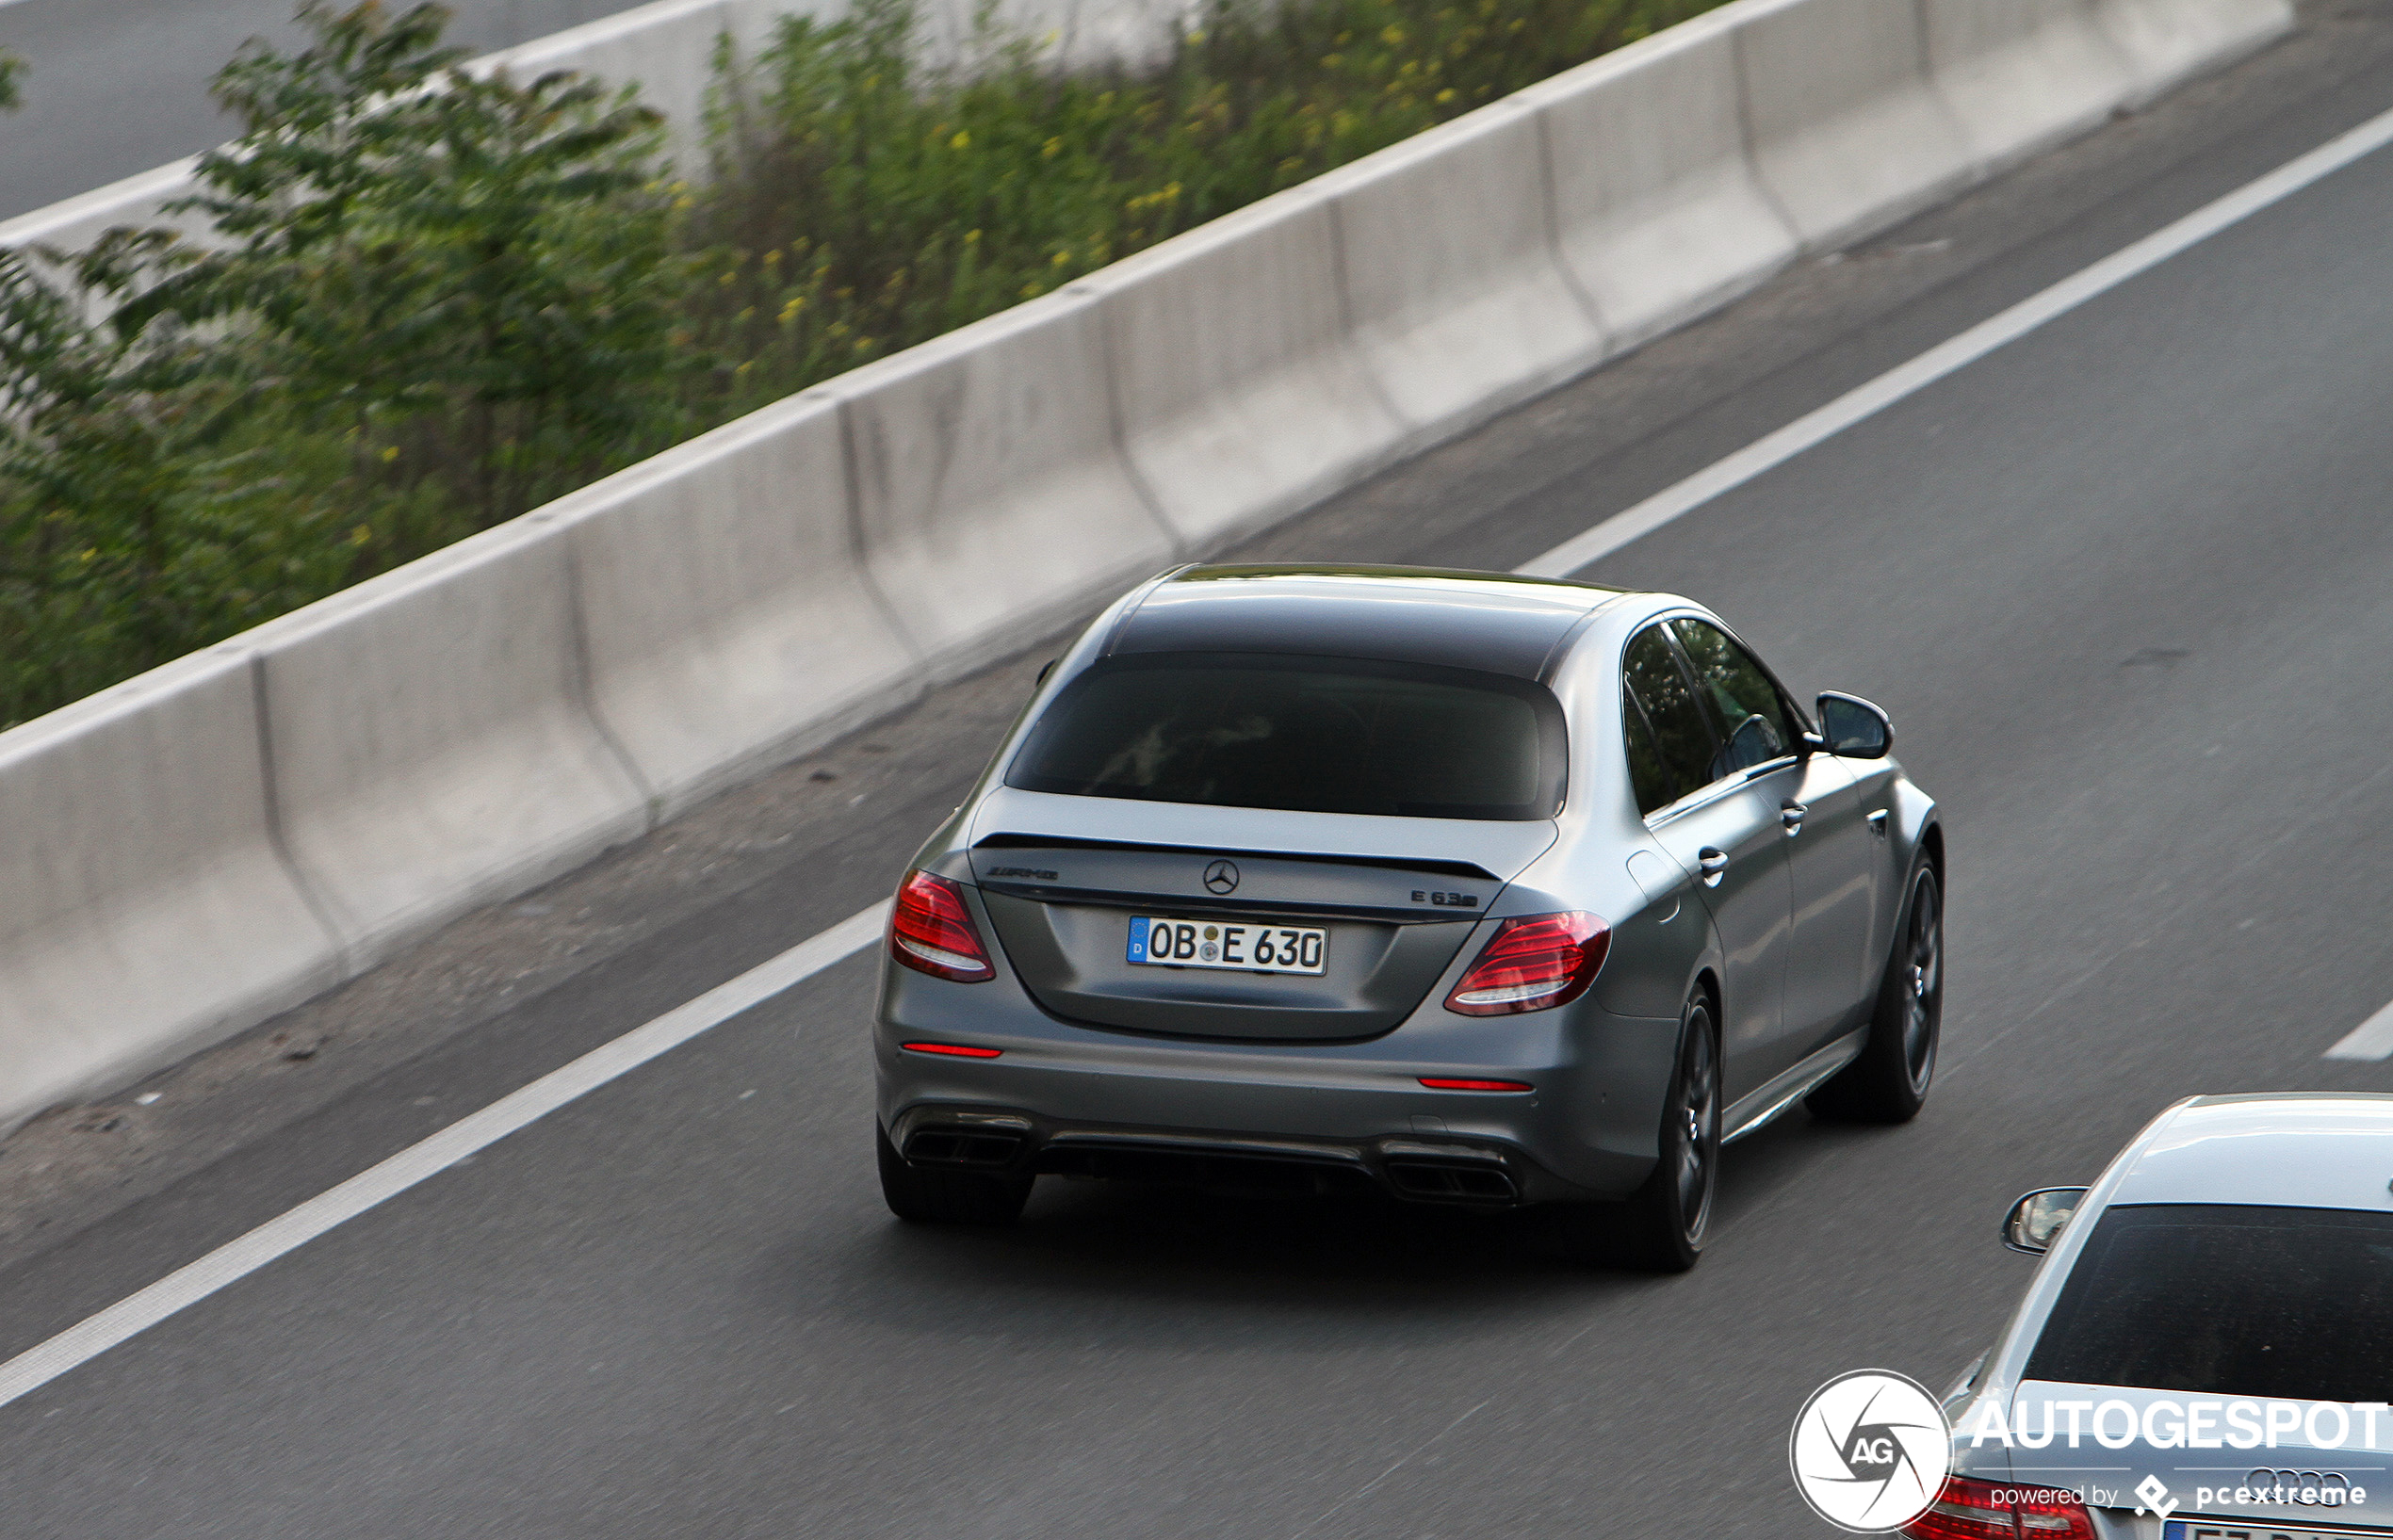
x: 1138, y: 924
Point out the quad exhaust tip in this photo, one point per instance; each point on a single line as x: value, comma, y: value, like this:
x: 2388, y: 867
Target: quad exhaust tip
x: 1442, y: 1181
x: 963, y: 1147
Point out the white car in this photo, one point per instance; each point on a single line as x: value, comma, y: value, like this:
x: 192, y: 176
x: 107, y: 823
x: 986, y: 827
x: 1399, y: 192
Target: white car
x: 2206, y: 1352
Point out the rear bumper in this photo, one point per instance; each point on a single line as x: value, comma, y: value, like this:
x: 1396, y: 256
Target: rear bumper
x: 1002, y: 1141
x: 1076, y: 1099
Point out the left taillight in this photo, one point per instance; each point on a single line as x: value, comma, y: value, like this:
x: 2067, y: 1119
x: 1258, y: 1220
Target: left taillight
x: 931, y: 931
x: 1969, y: 1509
x: 1533, y: 963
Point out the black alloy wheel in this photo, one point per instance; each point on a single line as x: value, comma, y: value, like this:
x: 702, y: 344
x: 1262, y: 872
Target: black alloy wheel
x: 1671, y: 1216
x: 1888, y: 1082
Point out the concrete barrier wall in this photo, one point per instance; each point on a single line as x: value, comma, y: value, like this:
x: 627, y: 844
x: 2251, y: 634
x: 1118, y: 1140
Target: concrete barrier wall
x: 2168, y: 41
x: 186, y: 855
x: 725, y: 614
x: 1847, y: 133
x: 1458, y: 305
x: 1658, y: 216
x: 2020, y: 76
x: 992, y: 499
x: 431, y: 743
x: 1241, y: 394
x: 144, y: 910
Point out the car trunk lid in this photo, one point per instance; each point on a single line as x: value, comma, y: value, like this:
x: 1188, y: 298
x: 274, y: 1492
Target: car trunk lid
x: 1063, y: 877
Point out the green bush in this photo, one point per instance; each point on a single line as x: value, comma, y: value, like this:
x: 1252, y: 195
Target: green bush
x: 445, y: 300
x: 859, y: 204
x: 448, y: 299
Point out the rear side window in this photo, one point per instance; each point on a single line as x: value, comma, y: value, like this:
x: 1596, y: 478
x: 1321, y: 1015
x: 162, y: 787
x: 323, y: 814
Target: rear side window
x: 1754, y: 722
x: 1313, y: 735
x: 2228, y: 1300
x: 1670, y: 747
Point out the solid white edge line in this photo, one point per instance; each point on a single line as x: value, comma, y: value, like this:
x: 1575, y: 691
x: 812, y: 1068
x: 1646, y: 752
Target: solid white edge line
x: 236, y: 1259
x: 2371, y: 1040
x: 1776, y: 448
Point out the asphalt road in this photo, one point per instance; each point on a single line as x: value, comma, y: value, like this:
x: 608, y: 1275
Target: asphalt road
x: 117, y: 87
x: 2126, y: 587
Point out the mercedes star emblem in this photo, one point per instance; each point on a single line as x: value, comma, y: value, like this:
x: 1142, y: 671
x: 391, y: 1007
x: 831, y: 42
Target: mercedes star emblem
x: 1221, y: 877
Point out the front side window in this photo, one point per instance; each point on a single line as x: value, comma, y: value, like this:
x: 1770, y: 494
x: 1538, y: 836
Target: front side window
x: 1313, y: 735
x: 1671, y: 745
x: 1755, y: 722
x: 2228, y: 1300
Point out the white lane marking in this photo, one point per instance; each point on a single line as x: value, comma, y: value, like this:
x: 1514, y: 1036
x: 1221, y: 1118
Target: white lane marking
x: 2370, y: 1040
x: 1776, y: 448
x: 236, y: 1260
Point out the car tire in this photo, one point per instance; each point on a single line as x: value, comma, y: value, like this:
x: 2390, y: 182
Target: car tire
x: 1670, y: 1217
x: 1889, y: 1081
x: 947, y: 1197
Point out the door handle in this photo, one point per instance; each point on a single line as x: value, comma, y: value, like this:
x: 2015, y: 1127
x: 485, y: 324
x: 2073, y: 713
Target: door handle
x: 1790, y: 813
x: 1714, y: 863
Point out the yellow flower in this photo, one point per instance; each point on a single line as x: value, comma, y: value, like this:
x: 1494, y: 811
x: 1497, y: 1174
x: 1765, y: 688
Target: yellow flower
x: 963, y: 141
x: 389, y: 454
x: 1049, y: 151
x: 1444, y: 96
x: 790, y: 311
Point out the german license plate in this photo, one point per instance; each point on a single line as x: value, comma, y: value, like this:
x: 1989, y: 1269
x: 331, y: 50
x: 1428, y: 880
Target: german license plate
x: 1212, y: 944
x: 2255, y: 1529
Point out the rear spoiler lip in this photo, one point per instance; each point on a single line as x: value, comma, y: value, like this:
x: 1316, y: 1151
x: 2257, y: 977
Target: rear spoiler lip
x: 1231, y: 909
x: 1390, y: 863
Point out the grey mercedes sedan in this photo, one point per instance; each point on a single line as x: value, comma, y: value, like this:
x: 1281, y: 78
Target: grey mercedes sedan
x: 1478, y: 889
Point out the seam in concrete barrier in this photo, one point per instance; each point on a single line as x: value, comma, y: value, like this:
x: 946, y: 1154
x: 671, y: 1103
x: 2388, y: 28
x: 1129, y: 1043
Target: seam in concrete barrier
x: 1407, y: 437
x: 1747, y: 137
x: 852, y: 500
x: 1549, y: 183
x: 271, y: 779
x: 1117, y: 420
x: 578, y: 620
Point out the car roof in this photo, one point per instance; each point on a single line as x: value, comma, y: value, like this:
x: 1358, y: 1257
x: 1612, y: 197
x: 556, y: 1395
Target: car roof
x: 2292, y: 1149
x: 1492, y: 622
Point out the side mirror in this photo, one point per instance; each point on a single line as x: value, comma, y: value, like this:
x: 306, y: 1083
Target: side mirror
x: 1854, y: 729
x: 2037, y: 1217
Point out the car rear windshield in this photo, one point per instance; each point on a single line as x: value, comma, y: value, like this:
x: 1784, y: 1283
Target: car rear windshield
x: 1313, y: 735
x: 2294, y: 1303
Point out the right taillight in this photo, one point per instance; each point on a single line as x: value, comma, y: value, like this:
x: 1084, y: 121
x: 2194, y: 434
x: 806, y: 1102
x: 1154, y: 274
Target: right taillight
x: 1533, y: 963
x: 1969, y: 1509
x: 931, y: 931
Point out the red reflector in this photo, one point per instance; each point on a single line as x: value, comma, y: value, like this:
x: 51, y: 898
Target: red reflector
x: 954, y: 1049
x: 1436, y: 1084
x: 931, y: 931
x: 1968, y: 1509
x: 1534, y: 963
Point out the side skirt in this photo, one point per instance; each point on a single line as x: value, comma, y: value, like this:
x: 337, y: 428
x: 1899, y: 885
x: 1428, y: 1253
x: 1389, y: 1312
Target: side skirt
x: 1756, y: 1109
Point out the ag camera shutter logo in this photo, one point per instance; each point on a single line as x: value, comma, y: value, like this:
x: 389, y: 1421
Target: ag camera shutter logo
x: 1870, y: 1451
